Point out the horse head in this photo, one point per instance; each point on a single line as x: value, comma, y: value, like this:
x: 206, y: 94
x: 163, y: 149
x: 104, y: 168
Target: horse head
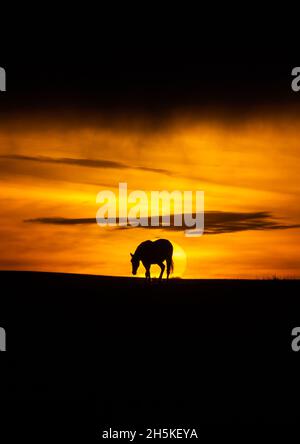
x: 135, y: 263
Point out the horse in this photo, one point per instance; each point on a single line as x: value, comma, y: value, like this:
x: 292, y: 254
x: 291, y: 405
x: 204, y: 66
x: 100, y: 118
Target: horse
x: 153, y: 252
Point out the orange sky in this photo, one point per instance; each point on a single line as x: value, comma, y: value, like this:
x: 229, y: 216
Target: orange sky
x: 248, y: 166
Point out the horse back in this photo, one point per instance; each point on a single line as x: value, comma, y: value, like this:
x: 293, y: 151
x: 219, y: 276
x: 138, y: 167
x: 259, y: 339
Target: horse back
x: 163, y: 245
x: 156, y: 251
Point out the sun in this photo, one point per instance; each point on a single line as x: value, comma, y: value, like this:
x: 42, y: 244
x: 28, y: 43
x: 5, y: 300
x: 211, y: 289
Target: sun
x: 180, y: 263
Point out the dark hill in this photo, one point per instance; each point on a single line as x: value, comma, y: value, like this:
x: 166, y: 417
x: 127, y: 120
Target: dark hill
x: 210, y: 351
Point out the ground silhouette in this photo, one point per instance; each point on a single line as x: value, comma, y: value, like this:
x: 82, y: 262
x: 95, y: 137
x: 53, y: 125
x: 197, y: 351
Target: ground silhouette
x: 202, y: 351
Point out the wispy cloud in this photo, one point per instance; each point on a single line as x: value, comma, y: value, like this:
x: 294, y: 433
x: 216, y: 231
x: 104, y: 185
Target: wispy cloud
x: 83, y: 162
x: 62, y: 220
x: 216, y: 222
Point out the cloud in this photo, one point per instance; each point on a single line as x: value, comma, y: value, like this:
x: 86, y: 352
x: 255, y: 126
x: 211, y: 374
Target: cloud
x: 62, y: 220
x: 216, y: 222
x: 89, y: 163
x: 154, y: 170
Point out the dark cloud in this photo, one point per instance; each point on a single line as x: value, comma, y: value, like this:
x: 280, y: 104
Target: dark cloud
x: 216, y: 222
x: 90, y: 163
x: 62, y: 220
x: 155, y: 170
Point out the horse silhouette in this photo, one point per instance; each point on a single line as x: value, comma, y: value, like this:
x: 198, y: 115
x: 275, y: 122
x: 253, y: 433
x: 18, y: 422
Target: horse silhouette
x: 155, y: 252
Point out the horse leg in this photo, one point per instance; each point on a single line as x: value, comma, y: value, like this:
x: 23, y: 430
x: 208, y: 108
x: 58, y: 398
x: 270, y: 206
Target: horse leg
x: 169, y: 262
x: 162, y: 266
x: 148, y: 277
